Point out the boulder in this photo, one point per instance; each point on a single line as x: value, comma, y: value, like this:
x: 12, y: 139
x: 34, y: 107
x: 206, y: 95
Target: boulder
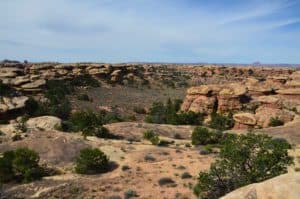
x: 281, y: 187
x: 268, y: 99
x: 44, y: 122
x: 245, y: 118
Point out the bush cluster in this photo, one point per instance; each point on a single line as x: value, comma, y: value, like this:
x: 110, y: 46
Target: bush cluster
x: 20, y: 165
x: 221, y: 122
x: 243, y: 160
x: 167, y: 113
x: 203, y: 136
x: 152, y: 137
x: 90, y: 123
x: 91, y: 161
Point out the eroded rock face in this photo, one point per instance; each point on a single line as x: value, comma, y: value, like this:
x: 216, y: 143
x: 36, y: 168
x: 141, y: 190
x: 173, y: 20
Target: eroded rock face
x: 253, y: 101
x: 284, y: 186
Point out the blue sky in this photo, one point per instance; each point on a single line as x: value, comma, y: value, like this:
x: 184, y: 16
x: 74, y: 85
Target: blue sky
x: 216, y: 31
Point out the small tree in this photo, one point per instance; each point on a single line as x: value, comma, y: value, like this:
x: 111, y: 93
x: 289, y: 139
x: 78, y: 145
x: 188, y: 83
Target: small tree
x: 91, y: 161
x: 243, y: 160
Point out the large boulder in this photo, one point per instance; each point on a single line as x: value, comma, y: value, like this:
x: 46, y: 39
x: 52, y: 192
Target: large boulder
x: 281, y: 187
x: 34, y: 85
x: 44, y: 122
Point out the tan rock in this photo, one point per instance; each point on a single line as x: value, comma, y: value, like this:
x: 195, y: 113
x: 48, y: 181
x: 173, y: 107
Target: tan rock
x: 264, y: 114
x: 44, y: 122
x: 281, y: 187
x: 199, y: 90
x: 290, y: 91
x: 20, y: 80
x: 245, y: 118
x: 268, y: 99
x: 33, y: 85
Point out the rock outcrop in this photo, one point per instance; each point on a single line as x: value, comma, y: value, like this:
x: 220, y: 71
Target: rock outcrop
x: 44, y: 123
x: 284, y: 186
x: 254, y: 102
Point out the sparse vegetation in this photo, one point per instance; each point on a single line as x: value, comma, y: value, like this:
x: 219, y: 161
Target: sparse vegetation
x: 21, y: 165
x: 168, y: 114
x: 130, y: 194
x: 166, y: 181
x: 275, y: 122
x: 243, y: 160
x: 83, y: 97
x: 91, y: 161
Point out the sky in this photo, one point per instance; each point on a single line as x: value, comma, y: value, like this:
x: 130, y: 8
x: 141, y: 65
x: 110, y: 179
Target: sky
x: 181, y: 31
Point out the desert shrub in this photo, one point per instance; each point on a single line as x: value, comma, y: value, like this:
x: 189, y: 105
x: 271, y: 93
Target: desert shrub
x: 84, y: 119
x: 20, y: 165
x: 203, y: 136
x: 6, y: 166
x: 16, y: 137
x: 5, y: 90
x: 166, y: 181
x: 130, y: 194
x: 139, y: 110
x: 83, y: 97
x: 161, y: 113
x: 100, y: 132
x: 186, y: 175
x: 243, y: 160
x: 275, y: 122
x: 152, y: 137
x: 85, y: 80
x: 149, y: 157
x: 221, y: 122
x: 91, y: 161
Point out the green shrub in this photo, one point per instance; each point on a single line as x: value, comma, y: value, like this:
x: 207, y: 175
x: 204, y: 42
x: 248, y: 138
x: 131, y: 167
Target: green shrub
x: 20, y: 165
x: 202, y: 136
x: 91, y: 161
x: 100, y: 132
x: 83, y: 97
x: 139, y: 110
x: 243, y: 160
x: 84, y: 120
x: 152, y: 137
x: 221, y: 122
x: 275, y: 122
x: 130, y: 194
